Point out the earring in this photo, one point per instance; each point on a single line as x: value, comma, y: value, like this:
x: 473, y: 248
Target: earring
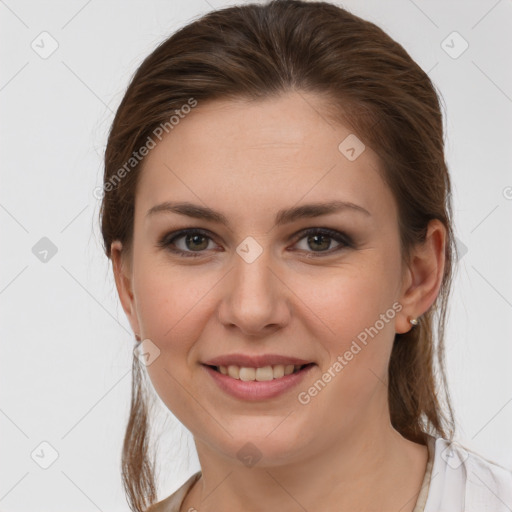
x: 414, y: 321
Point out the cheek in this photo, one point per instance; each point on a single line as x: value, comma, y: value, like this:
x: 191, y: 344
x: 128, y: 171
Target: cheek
x: 349, y: 301
x: 169, y: 301
x: 172, y: 305
x: 357, y: 309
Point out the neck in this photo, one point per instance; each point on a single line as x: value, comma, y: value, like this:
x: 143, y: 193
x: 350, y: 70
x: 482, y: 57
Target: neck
x: 372, y: 469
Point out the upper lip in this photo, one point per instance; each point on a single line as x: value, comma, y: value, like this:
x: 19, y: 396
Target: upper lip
x: 258, y: 361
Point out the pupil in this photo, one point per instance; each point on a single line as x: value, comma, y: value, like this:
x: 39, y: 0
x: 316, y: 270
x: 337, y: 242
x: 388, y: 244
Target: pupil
x: 195, y: 239
x: 316, y: 237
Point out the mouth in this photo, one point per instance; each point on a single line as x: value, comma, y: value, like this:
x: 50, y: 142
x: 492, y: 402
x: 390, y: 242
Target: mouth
x: 265, y: 373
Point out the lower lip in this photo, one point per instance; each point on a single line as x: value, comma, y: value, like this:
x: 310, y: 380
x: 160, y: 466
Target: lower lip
x: 257, y: 390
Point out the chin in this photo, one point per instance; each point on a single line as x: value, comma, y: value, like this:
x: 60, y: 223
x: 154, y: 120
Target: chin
x: 269, y: 442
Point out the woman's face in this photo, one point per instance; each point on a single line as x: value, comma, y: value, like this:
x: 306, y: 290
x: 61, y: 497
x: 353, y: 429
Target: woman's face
x: 255, y: 287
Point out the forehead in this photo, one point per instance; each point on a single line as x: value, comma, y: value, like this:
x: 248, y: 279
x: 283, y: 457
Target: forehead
x: 240, y: 155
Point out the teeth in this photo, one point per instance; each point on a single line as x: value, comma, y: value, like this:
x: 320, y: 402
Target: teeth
x: 247, y: 374
x: 258, y: 374
x: 289, y: 368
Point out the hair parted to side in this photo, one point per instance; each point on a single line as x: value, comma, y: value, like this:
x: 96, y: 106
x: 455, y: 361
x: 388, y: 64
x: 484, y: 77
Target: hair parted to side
x: 257, y: 51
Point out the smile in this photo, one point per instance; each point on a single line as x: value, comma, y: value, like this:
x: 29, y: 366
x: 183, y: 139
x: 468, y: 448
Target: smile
x: 244, y: 382
x: 264, y: 373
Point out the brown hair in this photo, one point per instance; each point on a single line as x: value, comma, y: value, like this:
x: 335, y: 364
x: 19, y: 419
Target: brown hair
x: 373, y: 85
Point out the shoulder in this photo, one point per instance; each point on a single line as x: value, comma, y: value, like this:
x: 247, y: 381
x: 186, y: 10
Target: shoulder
x: 467, y: 481
x: 174, y: 501
x: 455, y: 455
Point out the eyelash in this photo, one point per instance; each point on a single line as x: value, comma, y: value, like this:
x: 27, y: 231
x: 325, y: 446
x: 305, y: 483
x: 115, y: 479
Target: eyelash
x: 168, y: 240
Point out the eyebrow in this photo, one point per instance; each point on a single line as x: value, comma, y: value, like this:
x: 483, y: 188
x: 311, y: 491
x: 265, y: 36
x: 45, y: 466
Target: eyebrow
x: 284, y: 216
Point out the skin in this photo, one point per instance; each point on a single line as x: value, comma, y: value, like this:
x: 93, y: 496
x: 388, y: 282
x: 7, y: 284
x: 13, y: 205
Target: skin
x: 248, y: 160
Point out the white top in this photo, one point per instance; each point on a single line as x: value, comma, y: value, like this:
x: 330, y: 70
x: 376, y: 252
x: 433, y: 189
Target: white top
x: 464, y: 481
x: 456, y: 480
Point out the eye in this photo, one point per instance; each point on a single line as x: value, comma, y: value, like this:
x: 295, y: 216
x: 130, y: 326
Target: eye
x: 321, y: 238
x: 194, y: 242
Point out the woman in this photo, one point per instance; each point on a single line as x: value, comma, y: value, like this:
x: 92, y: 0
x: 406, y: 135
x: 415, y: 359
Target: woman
x: 277, y: 210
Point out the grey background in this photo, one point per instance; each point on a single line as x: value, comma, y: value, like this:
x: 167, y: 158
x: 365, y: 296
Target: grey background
x: 66, y: 344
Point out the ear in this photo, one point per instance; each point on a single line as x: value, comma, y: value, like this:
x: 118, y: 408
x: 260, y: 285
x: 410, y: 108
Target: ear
x: 424, y: 276
x: 124, y: 283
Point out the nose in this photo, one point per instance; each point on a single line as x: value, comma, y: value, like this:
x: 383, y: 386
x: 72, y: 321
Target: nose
x: 255, y: 298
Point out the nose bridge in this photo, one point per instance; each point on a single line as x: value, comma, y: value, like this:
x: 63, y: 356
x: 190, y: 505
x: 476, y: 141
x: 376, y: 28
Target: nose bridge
x: 254, y: 298
x: 254, y: 275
